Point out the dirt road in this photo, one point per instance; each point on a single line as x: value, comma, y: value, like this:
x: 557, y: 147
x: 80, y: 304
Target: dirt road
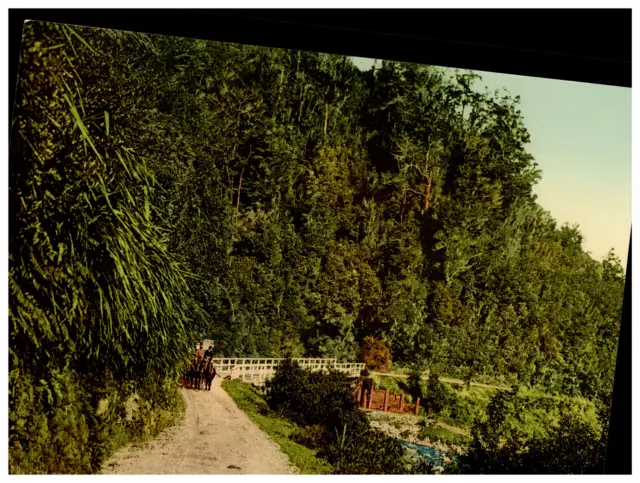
x: 215, y: 437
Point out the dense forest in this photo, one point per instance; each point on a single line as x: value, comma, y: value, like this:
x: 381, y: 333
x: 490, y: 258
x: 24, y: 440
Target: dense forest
x: 283, y: 203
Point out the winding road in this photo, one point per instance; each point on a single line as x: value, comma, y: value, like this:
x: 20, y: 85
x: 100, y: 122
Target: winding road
x: 214, y: 437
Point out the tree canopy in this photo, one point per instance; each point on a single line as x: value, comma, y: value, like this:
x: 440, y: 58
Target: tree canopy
x: 320, y: 205
x: 314, y: 204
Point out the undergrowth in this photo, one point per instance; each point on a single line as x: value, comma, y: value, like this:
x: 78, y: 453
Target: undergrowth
x: 64, y: 424
x: 325, y: 406
x: 463, y: 407
x: 437, y: 434
x: 100, y: 311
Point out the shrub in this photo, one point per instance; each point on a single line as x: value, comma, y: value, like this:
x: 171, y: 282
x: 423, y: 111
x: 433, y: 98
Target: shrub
x: 313, y: 437
x: 572, y: 446
x: 283, y: 432
x: 461, y: 413
x: 65, y: 423
x: 464, y: 407
x: 369, y: 452
x: 323, y: 403
x: 395, y: 386
x: 375, y: 354
x: 94, y: 288
x: 309, y: 398
x: 414, y: 382
x: 435, y: 433
x: 438, y: 395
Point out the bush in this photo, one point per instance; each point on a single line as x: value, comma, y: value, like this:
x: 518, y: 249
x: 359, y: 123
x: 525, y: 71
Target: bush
x: 283, y: 432
x: 369, y: 452
x: 462, y: 412
x: 94, y: 288
x: 324, y: 405
x: 309, y: 398
x: 435, y: 433
x: 67, y: 424
x: 395, y: 386
x: 313, y: 437
x: 572, y: 446
x: 438, y: 395
x: 375, y: 354
x: 414, y: 382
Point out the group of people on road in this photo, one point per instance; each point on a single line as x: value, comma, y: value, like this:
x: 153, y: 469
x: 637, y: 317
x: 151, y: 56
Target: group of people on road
x: 201, y: 371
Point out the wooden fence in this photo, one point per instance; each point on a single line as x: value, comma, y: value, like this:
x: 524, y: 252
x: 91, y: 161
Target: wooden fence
x: 258, y: 370
x: 368, y: 397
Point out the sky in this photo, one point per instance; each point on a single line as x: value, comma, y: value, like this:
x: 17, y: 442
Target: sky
x: 581, y: 140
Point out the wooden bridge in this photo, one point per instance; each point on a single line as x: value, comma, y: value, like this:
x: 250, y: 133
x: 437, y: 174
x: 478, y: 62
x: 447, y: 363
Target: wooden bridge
x: 258, y: 370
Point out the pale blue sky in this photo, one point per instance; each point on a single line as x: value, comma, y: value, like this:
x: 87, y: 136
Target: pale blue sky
x: 581, y: 139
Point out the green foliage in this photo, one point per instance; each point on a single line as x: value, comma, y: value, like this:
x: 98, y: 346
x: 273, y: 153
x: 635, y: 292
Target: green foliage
x: 370, y: 453
x: 307, y: 207
x: 58, y: 426
x: 537, y: 411
x: 320, y: 206
x: 94, y: 288
x: 313, y: 437
x: 437, y: 434
x: 90, y: 268
x: 415, y: 383
x: 438, y: 396
x: 324, y: 406
x: 464, y: 407
x: 314, y: 398
x: 46, y: 437
x: 570, y: 446
x: 395, y: 386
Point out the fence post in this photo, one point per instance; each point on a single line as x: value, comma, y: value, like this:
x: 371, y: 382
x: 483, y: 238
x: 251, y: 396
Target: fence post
x: 386, y: 400
x: 370, y: 397
x: 359, y: 398
x: 402, y: 402
x: 417, y: 405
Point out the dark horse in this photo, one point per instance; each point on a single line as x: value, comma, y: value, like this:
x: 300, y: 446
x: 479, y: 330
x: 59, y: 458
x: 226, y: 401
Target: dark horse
x: 201, y: 370
x: 191, y: 375
x: 209, y: 373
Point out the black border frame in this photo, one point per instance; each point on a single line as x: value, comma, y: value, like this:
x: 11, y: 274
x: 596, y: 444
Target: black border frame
x: 583, y: 45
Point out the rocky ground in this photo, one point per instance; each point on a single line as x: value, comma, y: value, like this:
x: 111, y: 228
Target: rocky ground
x: 407, y: 428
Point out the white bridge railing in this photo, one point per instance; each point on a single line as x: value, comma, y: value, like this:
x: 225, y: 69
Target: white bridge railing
x: 258, y: 370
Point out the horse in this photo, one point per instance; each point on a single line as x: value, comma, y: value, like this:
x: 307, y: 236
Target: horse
x: 192, y: 374
x: 200, y: 368
x: 209, y: 373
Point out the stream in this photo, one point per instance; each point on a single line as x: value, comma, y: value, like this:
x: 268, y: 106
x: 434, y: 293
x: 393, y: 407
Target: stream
x: 433, y: 456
